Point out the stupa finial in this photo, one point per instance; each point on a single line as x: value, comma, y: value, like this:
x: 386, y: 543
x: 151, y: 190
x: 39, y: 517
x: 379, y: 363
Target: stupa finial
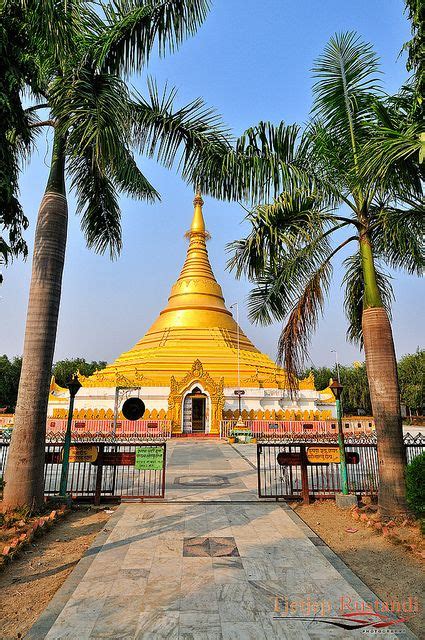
x: 198, y: 197
x: 198, y: 224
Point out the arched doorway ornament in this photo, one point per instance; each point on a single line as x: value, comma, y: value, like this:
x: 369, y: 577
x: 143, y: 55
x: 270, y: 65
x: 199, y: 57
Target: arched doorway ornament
x: 191, y: 422
x: 178, y: 389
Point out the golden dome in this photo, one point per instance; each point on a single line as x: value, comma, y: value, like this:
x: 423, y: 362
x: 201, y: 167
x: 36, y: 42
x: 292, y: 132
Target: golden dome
x: 195, y: 325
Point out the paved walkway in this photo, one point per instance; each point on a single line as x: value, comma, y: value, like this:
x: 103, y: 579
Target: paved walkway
x: 211, y: 563
x: 209, y: 471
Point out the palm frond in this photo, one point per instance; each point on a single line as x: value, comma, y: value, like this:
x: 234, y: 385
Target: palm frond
x: 95, y: 112
x: 92, y: 112
x: 280, y: 287
x: 288, y: 255
x: 24, y: 143
x: 264, y: 302
x: 97, y: 201
x: 57, y: 29
x: 175, y: 135
x: 346, y: 78
x: 389, y: 148
x: 292, y: 221
x: 395, y: 150
x: 302, y: 322
x: 290, y: 263
x: 345, y: 87
x: 15, y: 131
x: 398, y: 237
x: 128, y: 178
x: 5, y: 252
x: 135, y: 27
x: 260, y: 165
x: 329, y: 154
x: 354, y: 294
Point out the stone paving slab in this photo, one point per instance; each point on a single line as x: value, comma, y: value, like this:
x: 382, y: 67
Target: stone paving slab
x: 231, y: 478
x: 137, y: 582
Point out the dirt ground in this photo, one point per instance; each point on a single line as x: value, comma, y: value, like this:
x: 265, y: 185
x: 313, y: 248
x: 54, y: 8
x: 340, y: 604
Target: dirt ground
x: 30, y: 581
x: 389, y: 570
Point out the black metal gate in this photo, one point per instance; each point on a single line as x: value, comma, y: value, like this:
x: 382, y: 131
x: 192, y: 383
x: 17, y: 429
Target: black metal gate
x: 112, y: 474
x: 297, y: 479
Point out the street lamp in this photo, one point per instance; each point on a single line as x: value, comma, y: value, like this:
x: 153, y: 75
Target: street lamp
x: 239, y: 391
x: 336, y: 388
x: 336, y: 363
x: 74, y: 385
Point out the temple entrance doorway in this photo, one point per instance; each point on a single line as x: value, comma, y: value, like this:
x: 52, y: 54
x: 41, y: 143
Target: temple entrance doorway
x: 195, y: 412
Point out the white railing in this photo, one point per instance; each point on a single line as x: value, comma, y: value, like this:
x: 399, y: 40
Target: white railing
x: 277, y: 428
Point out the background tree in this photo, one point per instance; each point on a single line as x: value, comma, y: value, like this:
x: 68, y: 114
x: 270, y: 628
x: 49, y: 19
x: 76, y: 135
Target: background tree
x: 10, y: 371
x: 82, y: 55
x: 411, y: 373
x: 63, y: 370
x: 322, y: 376
x: 289, y: 251
x: 355, y: 395
x: 416, y: 50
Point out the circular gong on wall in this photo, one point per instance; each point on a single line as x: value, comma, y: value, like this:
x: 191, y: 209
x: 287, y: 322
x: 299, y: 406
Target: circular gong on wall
x: 133, y: 408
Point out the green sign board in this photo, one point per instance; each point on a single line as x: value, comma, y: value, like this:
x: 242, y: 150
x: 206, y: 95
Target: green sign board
x: 149, y: 458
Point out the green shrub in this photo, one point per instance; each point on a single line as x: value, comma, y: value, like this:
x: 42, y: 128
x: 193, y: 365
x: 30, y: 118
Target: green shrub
x: 415, y: 485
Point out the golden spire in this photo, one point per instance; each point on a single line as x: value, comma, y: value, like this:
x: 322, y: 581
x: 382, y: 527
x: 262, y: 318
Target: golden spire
x: 198, y: 224
x: 195, y: 325
x: 196, y: 294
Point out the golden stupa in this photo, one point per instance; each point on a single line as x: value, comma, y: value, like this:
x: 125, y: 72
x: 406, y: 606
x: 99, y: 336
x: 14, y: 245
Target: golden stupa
x: 188, y: 368
x: 194, y: 326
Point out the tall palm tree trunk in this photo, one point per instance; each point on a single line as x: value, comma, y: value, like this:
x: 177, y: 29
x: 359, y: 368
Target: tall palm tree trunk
x: 381, y: 366
x: 25, y: 467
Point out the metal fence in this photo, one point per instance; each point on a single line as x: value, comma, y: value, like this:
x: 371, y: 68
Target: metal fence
x: 295, y: 478
x: 102, y: 470
x: 4, y: 447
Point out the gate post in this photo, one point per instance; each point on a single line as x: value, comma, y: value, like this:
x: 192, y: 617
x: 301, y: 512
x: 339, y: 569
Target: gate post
x: 304, y: 476
x: 259, y: 452
x: 99, y: 474
x: 164, y: 462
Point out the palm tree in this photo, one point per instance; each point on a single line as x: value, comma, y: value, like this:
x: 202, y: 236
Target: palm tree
x: 82, y: 58
x: 324, y: 186
x: 14, y: 69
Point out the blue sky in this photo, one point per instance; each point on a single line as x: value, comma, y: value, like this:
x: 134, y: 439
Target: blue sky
x: 251, y: 61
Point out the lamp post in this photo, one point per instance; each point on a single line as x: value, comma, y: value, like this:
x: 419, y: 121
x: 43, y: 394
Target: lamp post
x: 74, y: 386
x: 336, y: 364
x: 239, y: 392
x: 336, y: 388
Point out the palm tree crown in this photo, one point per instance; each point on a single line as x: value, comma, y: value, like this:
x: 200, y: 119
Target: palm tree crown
x: 311, y: 174
x: 82, y: 57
